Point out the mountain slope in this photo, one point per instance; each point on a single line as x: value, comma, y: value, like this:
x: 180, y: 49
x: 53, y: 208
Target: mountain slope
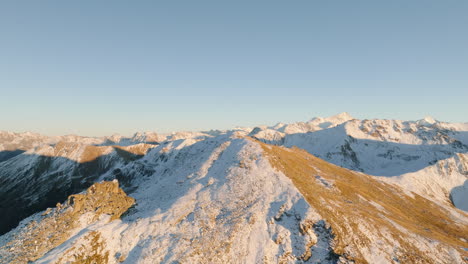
x: 390, y: 148
x: 358, y: 206
x: 231, y: 199
x: 208, y: 201
x: 41, y: 177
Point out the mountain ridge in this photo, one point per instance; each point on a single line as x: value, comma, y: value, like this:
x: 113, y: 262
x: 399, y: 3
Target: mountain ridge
x: 254, y: 195
x: 238, y: 197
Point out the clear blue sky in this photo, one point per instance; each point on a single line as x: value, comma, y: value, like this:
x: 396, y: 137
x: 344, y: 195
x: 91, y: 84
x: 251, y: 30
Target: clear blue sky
x: 99, y: 67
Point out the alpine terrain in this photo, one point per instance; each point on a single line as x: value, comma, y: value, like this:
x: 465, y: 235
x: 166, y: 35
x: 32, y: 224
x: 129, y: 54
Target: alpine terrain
x: 329, y: 190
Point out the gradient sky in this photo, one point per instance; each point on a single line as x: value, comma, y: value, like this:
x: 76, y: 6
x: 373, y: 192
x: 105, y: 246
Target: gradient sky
x: 102, y: 67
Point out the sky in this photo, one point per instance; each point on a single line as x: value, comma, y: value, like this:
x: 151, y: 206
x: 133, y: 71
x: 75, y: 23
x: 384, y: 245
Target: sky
x: 101, y: 67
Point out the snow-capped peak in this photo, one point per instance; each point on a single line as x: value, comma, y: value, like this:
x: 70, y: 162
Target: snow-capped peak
x: 429, y: 119
x: 341, y: 117
x: 345, y: 116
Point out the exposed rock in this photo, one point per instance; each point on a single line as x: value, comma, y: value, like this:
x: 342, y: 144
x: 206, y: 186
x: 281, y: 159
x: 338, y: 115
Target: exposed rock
x: 55, y: 226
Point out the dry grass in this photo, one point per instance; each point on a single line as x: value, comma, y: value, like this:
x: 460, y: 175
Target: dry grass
x: 91, y: 153
x: 345, y: 209
x: 93, y: 253
x: 137, y: 149
x: 37, y: 238
x: 128, y: 153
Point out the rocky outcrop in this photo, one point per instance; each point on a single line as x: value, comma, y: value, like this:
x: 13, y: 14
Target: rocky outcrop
x: 41, y: 233
x: 36, y: 180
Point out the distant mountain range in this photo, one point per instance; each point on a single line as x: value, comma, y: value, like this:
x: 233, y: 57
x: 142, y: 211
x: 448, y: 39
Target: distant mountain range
x: 330, y: 190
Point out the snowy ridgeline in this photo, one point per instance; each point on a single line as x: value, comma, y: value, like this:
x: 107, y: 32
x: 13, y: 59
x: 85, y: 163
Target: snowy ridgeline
x: 216, y: 200
x: 427, y: 157
x: 214, y: 197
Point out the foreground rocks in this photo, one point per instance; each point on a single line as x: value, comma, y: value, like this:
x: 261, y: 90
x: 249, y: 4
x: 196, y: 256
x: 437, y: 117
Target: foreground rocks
x: 101, y: 202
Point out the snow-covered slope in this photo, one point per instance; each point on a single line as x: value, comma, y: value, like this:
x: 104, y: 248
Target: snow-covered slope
x: 407, y: 149
x: 224, y: 197
x: 13, y: 144
x: 442, y: 180
x: 230, y: 199
x: 36, y: 171
x: 205, y: 202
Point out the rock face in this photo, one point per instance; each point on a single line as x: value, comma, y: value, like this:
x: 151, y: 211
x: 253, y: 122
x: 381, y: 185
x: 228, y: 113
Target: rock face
x: 101, y: 198
x: 42, y: 232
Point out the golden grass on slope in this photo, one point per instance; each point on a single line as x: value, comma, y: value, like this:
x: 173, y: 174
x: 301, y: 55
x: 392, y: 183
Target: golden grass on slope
x: 128, y: 153
x: 91, y: 153
x: 133, y: 152
x: 347, y: 205
x: 92, y: 253
x: 137, y: 149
